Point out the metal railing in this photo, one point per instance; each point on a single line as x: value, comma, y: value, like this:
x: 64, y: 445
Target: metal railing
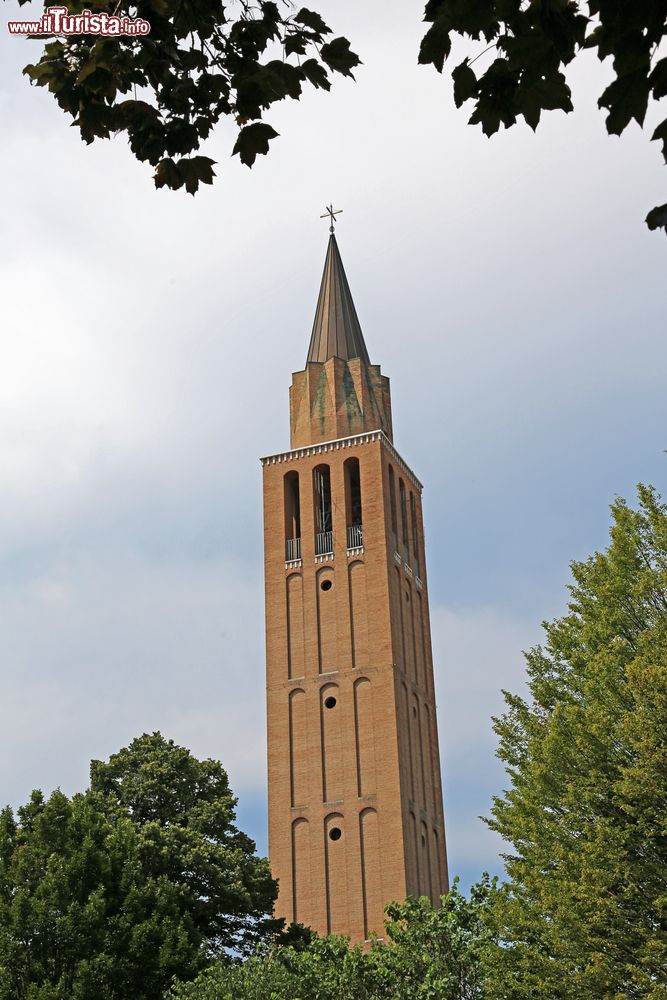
x: 324, y: 543
x: 355, y: 537
x: 292, y: 549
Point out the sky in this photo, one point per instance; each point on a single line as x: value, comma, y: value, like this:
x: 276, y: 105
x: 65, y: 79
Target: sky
x: 508, y: 287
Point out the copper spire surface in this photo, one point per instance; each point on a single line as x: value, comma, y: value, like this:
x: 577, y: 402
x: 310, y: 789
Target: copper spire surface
x: 336, y: 330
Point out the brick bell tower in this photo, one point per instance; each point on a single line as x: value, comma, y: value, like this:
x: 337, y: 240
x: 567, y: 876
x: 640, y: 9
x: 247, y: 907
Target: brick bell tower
x: 355, y: 796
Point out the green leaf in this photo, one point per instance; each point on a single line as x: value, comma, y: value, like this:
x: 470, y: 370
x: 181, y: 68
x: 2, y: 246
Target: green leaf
x: 310, y: 19
x: 252, y: 141
x: 95, y: 121
x: 138, y: 113
x: 661, y: 134
x: 163, y: 8
x: 193, y: 59
x: 626, y: 98
x: 296, y: 44
x: 465, y: 83
x: 436, y: 44
x: 658, y: 79
x: 168, y: 175
x: 196, y: 170
x: 316, y: 74
x: 488, y: 118
x: 657, y: 218
x: 339, y: 57
x: 286, y: 79
x: 181, y: 136
x: 87, y: 70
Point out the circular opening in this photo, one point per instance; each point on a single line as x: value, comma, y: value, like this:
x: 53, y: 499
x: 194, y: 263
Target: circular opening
x: 330, y: 702
x: 326, y: 584
x: 335, y: 833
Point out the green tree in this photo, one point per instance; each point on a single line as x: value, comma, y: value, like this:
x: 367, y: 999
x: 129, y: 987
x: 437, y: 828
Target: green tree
x: 585, y: 914
x: 143, y: 877
x: 427, y: 954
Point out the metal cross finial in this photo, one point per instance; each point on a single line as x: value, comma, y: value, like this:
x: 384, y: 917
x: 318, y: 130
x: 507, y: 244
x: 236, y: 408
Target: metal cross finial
x: 332, y: 216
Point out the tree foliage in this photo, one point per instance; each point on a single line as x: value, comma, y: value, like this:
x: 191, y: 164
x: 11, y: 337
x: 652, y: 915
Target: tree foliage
x: 586, y: 814
x: 203, y: 61
x: 428, y: 954
x: 143, y: 877
x: 207, y: 60
x: 532, y: 41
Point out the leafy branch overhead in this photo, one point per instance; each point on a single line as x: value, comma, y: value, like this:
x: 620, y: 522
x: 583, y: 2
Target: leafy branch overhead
x: 203, y: 61
x: 207, y: 60
x: 528, y: 44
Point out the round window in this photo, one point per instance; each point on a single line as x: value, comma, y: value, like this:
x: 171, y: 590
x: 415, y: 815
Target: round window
x: 330, y: 702
x: 335, y: 833
x: 326, y: 584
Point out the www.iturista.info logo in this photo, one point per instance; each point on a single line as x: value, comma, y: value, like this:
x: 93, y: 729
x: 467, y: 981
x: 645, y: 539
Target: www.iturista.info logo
x: 59, y: 21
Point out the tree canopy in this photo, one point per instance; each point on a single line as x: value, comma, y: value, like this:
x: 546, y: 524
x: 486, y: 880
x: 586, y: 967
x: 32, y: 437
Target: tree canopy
x: 143, y: 877
x: 586, y: 813
x: 211, y: 60
x: 428, y: 954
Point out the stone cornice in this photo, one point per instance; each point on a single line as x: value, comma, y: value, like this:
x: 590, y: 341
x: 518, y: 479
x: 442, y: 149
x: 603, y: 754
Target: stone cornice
x: 325, y: 446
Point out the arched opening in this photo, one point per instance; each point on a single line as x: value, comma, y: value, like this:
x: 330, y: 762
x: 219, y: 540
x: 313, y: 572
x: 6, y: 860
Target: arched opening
x: 292, y: 506
x: 323, y: 513
x: 392, y: 504
x: 415, y: 535
x: 336, y: 882
x: 332, y: 743
x: 301, y: 902
x: 404, y: 522
x: 355, y: 535
x: 327, y: 629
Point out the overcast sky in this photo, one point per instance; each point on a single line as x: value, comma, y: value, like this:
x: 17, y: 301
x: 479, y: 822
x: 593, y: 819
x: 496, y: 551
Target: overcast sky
x: 508, y: 287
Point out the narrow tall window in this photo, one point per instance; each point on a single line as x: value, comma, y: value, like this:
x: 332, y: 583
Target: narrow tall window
x: 392, y: 502
x: 404, y: 522
x: 292, y: 517
x: 323, y: 519
x: 353, y: 504
x: 415, y: 535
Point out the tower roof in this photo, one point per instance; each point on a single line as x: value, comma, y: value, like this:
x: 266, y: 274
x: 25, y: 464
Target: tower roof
x: 336, y: 330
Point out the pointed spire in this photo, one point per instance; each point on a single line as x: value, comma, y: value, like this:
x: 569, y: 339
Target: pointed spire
x: 336, y: 330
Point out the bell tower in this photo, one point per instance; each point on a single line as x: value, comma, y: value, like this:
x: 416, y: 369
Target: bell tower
x: 355, y: 796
